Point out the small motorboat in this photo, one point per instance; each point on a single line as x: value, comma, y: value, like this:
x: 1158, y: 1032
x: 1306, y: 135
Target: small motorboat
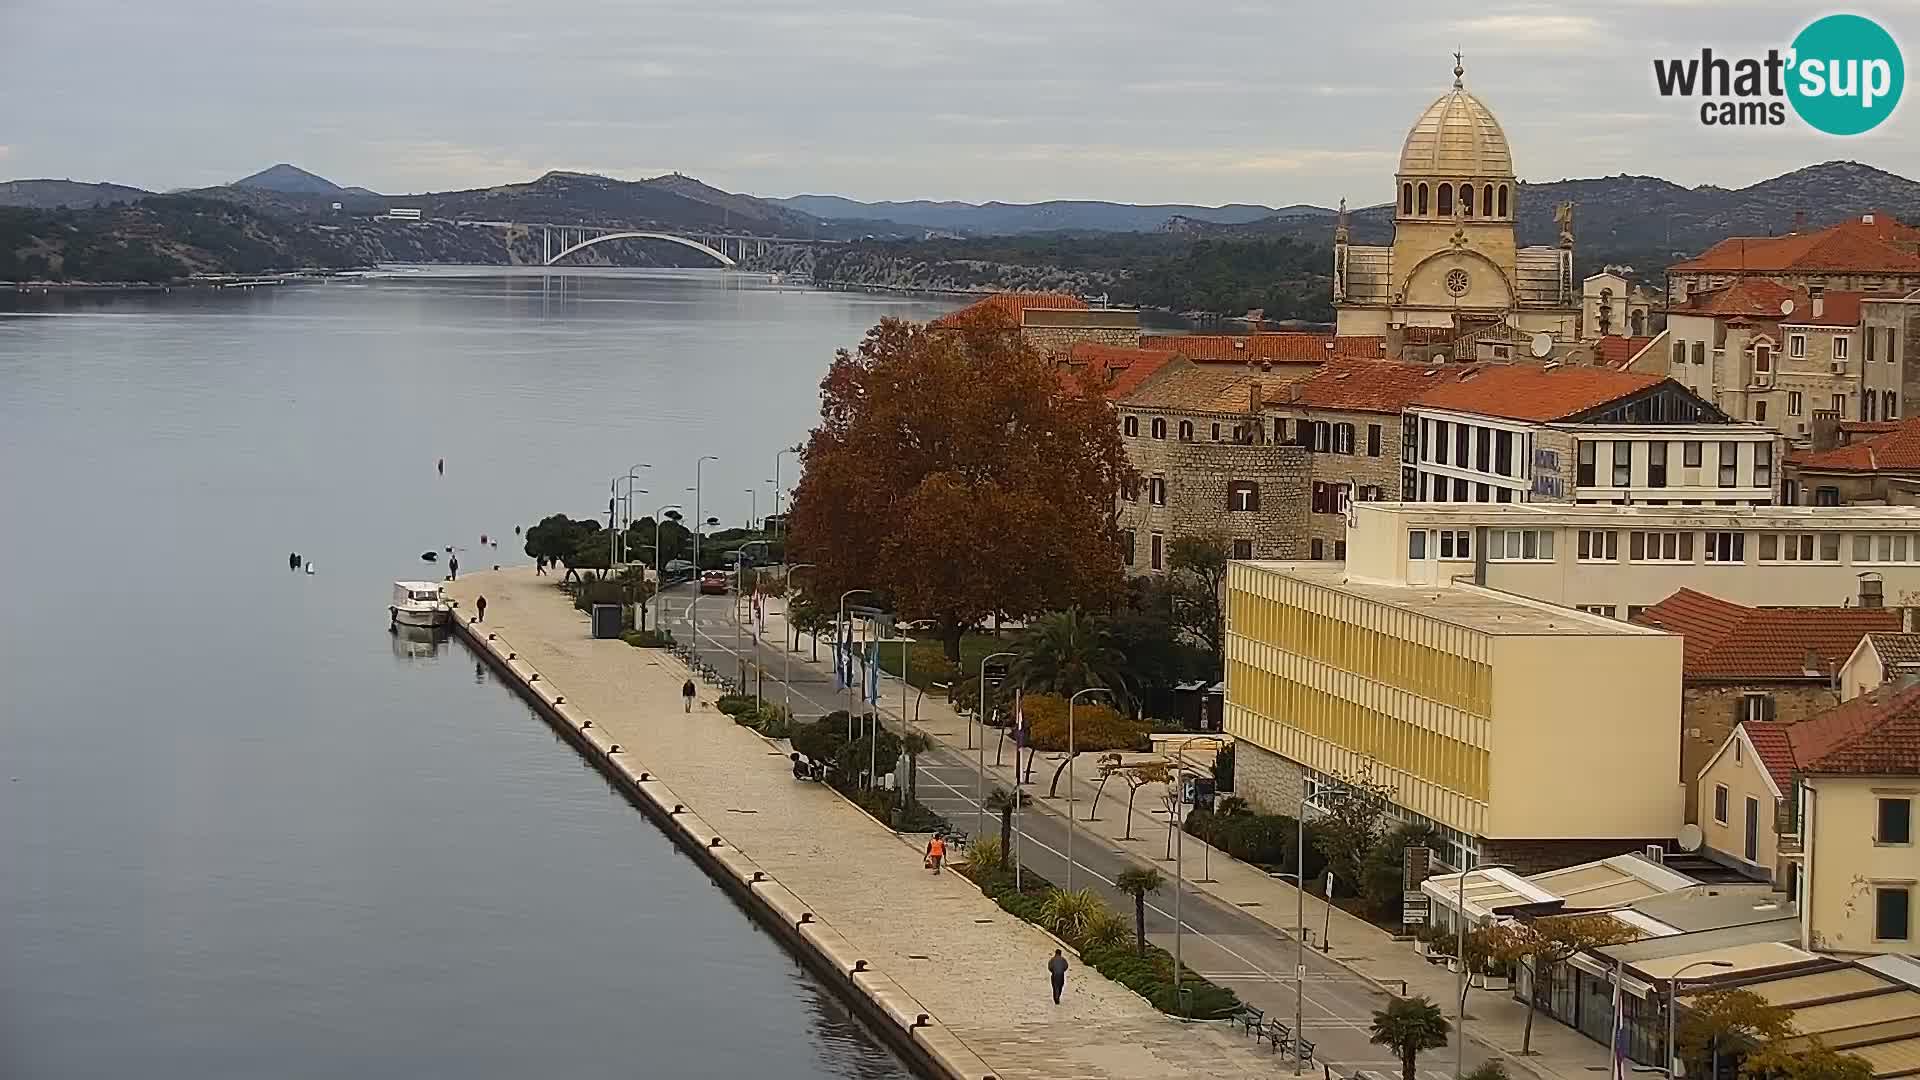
x: 420, y: 603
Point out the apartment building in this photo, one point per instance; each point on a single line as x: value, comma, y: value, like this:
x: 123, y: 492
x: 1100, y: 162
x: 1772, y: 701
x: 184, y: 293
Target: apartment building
x: 1753, y: 663
x: 1512, y: 434
x: 1864, y: 253
x: 1858, y: 464
x: 1457, y: 698
x: 1774, y: 354
x: 1882, y: 658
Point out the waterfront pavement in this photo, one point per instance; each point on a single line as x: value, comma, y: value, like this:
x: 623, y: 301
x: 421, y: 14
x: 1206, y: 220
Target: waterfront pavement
x: 1238, y: 927
x: 980, y: 971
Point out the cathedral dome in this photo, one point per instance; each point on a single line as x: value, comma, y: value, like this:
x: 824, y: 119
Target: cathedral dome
x: 1456, y: 137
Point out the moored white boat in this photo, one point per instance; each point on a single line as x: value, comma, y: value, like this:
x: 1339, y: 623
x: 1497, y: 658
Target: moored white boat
x: 420, y: 603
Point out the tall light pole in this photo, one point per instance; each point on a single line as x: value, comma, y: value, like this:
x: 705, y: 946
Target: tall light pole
x: 753, y: 507
x: 1179, y: 877
x: 1460, y: 1001
x: 632, y: 475
x: 1673, y: 1001
x: 776, y: 484
x: 626, y: 519
x: 694, y: 609
x: 659, y: 580
x: 1070, y: 827
x: 1300, y: 917
x: 841, y: 654
x: 980, y: 788
x: 786, y: 654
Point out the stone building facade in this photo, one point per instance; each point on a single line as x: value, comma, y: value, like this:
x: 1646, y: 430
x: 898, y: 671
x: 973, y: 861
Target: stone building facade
x: 1056, y: 330
x: 1864, y: 253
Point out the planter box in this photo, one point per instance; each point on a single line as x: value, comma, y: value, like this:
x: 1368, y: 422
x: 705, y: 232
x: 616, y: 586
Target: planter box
x: 1453, y: 963
x: 1421, y: 948
x: 1477, y: 980
x: 1498, y: 982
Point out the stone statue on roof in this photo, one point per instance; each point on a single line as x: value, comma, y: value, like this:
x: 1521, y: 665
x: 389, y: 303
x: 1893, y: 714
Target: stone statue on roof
x: 1563, y: 217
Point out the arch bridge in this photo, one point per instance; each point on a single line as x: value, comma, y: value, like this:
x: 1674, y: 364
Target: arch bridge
x: 559, y: 241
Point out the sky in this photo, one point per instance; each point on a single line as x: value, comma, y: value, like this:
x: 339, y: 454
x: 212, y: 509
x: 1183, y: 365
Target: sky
x: 1193, y: 101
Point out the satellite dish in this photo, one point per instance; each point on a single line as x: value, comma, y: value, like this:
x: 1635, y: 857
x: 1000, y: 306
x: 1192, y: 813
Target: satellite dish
x: 1542, y: 344
x: 1786, y: 307
x: 1690, y: 837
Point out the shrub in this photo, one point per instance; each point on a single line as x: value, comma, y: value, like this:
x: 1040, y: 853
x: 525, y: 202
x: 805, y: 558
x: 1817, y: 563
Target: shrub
x: 1070, y: 913
x: 648, y: 639
x: 1488, y: 1070
x: 1264, y: 839
x: 1223, y: 769
x: 735, y: 704
x: 1105, y: 930
x: 1095, y: 726
x: 983, y: 858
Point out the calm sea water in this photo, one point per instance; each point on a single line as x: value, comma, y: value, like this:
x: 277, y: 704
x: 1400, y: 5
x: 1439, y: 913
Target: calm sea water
x: 246, y: 833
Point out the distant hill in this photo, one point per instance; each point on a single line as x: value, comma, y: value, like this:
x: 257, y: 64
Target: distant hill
x: 160, y: 238
x: 290, y: 180
x: 47, y: 194
x: 999, y: 218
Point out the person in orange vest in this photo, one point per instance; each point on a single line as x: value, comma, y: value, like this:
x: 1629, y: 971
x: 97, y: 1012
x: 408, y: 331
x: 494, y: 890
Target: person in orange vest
x: 936, y: 852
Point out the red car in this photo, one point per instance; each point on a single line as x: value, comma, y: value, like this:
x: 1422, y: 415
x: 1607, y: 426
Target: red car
x: 713, y: 583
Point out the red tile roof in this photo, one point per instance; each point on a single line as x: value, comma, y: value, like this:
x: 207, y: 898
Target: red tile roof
x: 1725, y: 640
x: 1012, y: 305
x: 1836, y: 309
x: 1755, y: 297
x: 1120, y: 369
x: 1383, y: 386
x: 1775, y: 749
x: 1289, y: 346
x: 1531, y: 392
x: 1882, y: 245
x: 1897, y: 450
x: 1616, y: 352
x: 1875, y: 733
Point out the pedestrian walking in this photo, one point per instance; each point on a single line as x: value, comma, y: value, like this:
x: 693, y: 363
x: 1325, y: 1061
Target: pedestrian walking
x: 480, y: 606
x: 936, y: 853
x: 453, y: 567
x: 1057, y: 970
x: 540, y: 566
x: 686, y: 694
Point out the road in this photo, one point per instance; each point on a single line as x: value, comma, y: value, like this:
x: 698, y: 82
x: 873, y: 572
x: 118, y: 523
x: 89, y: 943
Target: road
x: 1223, y: 943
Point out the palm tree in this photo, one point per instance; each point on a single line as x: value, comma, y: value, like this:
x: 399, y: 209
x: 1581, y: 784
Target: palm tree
x: 1407, y: 1026
x: 1138, y: 883
x: 1068, y: 651
x: 915, y: 744
x: 1002, y: 802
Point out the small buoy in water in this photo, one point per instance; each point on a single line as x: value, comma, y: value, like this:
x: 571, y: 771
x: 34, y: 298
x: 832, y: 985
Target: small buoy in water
x: 516, y: 530
x: 483, y: 539
x: 309, y: 567
x: 442, y: 466
x: 429, y: 556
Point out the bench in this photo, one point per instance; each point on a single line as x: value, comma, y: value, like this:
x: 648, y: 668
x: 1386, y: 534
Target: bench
x: 1304, y: 1048
x: 1275, y: 1034
x: 1249, y: 1018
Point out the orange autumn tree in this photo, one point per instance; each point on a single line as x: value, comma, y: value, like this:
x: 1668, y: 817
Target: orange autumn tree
x: 956, y: 476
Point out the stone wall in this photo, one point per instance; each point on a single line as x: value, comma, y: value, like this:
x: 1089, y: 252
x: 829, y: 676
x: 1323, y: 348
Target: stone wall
x: 1198, y: 475
x: 1269, y: 782
x: 1357, y: 469
x: 1708, y: 715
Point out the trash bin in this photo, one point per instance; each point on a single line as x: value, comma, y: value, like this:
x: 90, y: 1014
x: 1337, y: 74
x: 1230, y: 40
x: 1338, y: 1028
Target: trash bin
x: 606, y: 620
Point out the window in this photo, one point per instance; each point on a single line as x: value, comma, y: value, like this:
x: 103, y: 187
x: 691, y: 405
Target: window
x: 1483, y: 450
x: 1409, y: 439
x: 1343, y: 438
x: 1373, y: 440
x: 1503, y: 200
x: 1461, y: 435
x: 1622, y: 464
x: 1800, y: 547
x: 1416, y: 543
x: 1369, y: 493
x: 1423, y: 200
x: 1459, y: 491
x: 1797, y: 346
x: 1130, y: 426
x: 1759, y: 411
x: 1322, y: 436
x: 1243, y: 549
x: 1763, y: 465
x: 1679, y: 352
x: 1584, y: 471
x: 1840, y: 405
x: 1657, y: 464
x: 1763, y: 358
x: 1729, y: 464
x: 1826, y: 496
x: 1126, y: 545
x: 1634, y: 610
x: 1186, y: 431
x: 1243, y: 495
x: 1456, y: 544
x: 1840, y: 346
x: 1446, y: 200
x: 1889, y: 405
x: 1157, y: 491
x: 1869, y: 405
x: 1486, y: 201
x: 1340, y: 550
x: 1466, y: 199
x: 1754, y: 708
x: 1503, y: 453
x: 1690, y: 455
x: 1599, y: 545
x: 1279, y: 432
x: 1871, y: 336
x: 1598, y: 609
x: 1508, y: 545
x: 1159, y: 428
x: 1406, y: 198
x: 1660, y: 546
x: 1440, y: 441
x: 1342, y: 497
x: 1699, y: 352
x: 1794, y: 403
x: 1156, y: 551
x: 1896, y: 822
x: 1725, y: 547
x: 1892, y: 912
x: 1720, y: 803
x: 1130, y: 489
x: 1317, y: 550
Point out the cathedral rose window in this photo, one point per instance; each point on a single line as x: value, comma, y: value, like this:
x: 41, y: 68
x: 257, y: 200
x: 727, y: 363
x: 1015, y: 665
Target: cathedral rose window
x: 1458, y: 282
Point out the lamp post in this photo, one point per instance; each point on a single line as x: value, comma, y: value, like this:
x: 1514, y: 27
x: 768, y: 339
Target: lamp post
x: 626, y: 519
x: 980, y: 787
x: 1070, y: 827
x: 753, y: 507
x: 786, y: 654
x: 1460, y: 1002
x: 842, y: 661
x: 659, y: 581
x: 1673, y: 1000
x: 693, y: 612
x: 1299, y: 877
x: 776, y: 484
x: 632, y: 475
x: 1179, y: 878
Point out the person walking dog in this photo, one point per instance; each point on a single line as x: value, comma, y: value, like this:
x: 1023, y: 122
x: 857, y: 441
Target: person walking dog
x: 686, y: 694
x: 1057, y: 970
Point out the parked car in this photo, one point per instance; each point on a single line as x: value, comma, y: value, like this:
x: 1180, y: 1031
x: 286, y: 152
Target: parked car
x: 676, y: 571
x: 714, y: 582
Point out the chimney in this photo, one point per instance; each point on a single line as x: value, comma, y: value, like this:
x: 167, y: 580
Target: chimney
x: 1799, y: 221
x: 1819, y: 302
x: 1870, y: 591
x: 1254, y: 397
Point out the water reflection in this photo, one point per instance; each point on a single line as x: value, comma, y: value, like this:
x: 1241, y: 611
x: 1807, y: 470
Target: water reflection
x: 417, y: 642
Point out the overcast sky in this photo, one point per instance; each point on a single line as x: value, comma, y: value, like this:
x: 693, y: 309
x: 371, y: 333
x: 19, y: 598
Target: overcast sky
x: 1204, y: 101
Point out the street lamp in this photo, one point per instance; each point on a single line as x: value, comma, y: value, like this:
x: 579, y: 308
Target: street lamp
x: 753, y: 507
x: 842, y: 661
x: 1300, y: 915
x: 693, y: 612
x: 1673, y: 1000
x: 786, y: 654
x: 980, y: 787
x: 659, y: 580
x: 1460, y: 1002
x: 632, y: 471
x: 1179, y: 877
x: 776, y: 483
x: 1070, y: 829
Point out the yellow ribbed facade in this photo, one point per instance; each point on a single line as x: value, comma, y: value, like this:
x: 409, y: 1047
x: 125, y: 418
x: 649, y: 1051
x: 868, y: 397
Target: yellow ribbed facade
x: 1335, y: 681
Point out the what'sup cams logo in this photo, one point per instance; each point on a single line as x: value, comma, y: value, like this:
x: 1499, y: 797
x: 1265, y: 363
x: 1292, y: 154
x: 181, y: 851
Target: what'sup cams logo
x: 1842, y: 75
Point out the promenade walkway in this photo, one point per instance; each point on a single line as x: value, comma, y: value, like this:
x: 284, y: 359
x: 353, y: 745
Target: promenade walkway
x: 979, y: 970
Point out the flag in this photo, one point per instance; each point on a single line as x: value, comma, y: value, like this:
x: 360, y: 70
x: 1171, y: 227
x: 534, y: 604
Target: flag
x: 873, y: 671
x: 1019, y: 722
x: 839, y: 658
x: 1620, y: 1065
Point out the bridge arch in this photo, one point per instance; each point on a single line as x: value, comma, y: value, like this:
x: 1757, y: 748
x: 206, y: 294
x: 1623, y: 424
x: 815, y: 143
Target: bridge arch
x: 681, y: 240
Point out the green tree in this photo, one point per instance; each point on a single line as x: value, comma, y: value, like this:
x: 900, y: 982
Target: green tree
x: 1383, y: 868
x: 1815, y: 1061
x: 1198, y: 581
x: 558, y: 537
x: 1545, y: 943
x: 913, y: 744
x: 1003, y: 802
x: 1409, y: 1026
x: 1723, y: 1020
x: 1139, y: 883
x: 1065, y: 652
x: 1354, y: 809
x: 1096, y: 728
